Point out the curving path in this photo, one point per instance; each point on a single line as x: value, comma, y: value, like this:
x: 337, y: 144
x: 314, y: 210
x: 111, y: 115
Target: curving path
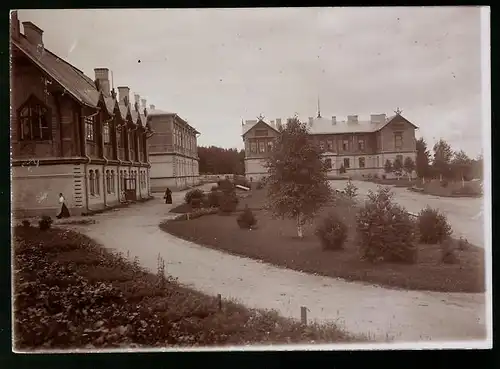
x: 360, y: 308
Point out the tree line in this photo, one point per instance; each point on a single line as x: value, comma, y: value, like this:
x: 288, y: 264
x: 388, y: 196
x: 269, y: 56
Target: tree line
x: 217, y: 160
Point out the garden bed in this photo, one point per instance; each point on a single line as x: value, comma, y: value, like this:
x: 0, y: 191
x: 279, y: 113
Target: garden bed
x: 274, y: 241
x: 71, y: 293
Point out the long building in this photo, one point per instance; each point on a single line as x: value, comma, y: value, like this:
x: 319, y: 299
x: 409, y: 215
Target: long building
x: 361, y: 147
x: 71, y: 134
x: 173, y: 151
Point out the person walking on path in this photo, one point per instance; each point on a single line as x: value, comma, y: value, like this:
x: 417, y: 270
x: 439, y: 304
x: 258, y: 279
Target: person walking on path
x: 168, y: 196
x: 63, y: 211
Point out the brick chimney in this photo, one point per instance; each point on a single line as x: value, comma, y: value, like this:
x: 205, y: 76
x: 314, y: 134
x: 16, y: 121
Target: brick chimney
x: 15, y: 28
x: 334, y: 120
x: 123, y: 95
x: 151, y: 107
x: 137, y: 102
x: 102, y: 76
x: 143, y: 104
x: 352, y: 119
x: 278, y: 123
x: 33, y: 33
x: 377, y: 118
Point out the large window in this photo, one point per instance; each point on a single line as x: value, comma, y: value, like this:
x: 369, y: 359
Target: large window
x: 105, y: 133
x: 253, y: 147
x: 361, y: 162
x: 330, y: 145
x: 328, y: 163
x: 398, y: 140
x: 90, y: 128
x: 113, y: 190
x: 262, y: 147
x: 92, y: 182
x: 347, y: 163
x: 108, y: 181
x: 361, y: 145
x: 97, y: 183
x: 34, y: 118
x: 345, y: 145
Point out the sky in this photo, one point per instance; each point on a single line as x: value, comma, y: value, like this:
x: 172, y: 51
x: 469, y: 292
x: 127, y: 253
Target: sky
x: 215, y: 67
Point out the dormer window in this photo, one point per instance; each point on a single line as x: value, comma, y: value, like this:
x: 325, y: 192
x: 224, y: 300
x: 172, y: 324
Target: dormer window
x: 34, y: 118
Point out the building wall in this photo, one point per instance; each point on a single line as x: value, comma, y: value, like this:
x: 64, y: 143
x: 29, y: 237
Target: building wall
x: 387, y: 142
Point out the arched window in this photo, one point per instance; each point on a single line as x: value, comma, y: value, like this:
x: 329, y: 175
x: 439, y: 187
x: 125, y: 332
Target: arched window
x: 108, y: 181
x: 34, y: 118
x: 97, y: 186
x: 112, y: 181
x: 91, y: 182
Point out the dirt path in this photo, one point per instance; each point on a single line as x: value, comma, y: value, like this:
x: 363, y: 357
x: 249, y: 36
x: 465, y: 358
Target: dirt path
x: 464, y: 214
x: 360, y: 308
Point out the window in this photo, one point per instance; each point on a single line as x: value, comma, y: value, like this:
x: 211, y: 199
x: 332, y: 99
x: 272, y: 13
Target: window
x: 91, y: 182
x: 34, y: 118
x: 262, y: 146
x: 328, y: 163
x: 89, y: 128
x: 97, y: 186
x: 322, y: 145
x: 361, y: 162
x: 113, y: 181
x: 330, y: 145
x: 398, y: 140
x: 119, y: 136
x: 105, y: 133
x: 269, y: 146
x: 108, y: 181
x: 378, y: 162
x: 253, y: 147
x: 347, y: 163
x: 345, y: 145
x: 261, y: 132
x: 361, y: 145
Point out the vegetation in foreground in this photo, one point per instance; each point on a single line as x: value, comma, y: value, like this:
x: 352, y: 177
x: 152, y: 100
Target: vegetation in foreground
x: 71, y: 293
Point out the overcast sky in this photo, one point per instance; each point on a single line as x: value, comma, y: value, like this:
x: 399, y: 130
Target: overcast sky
x: 215, y: 67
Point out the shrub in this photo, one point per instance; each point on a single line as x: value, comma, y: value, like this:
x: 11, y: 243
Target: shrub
x: 246, y: 220
x: 196, y: 202
x: 385, y: 230
x: 205, y: 201
x: 375, y: 176
x: 448, y: 251
x: 433, y: 226
x: 193, y: 194
x: 214, y: 188
x: 214, y: 198
x: 342, y: 169
x: 260, y: 185
x: 351, y: 190
x: 26, y: 223
x: 45, y: 222
x: 228, y: 202
x: 332, y: 232
x: 226, y: 185
x: 384, y: 176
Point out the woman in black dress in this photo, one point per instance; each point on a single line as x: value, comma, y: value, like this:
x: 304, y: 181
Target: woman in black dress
x: 168, y: 196
x: 63, y: 211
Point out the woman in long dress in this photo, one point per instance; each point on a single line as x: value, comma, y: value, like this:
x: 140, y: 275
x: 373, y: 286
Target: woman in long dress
x: 168, y: 196
x: 63, y: 211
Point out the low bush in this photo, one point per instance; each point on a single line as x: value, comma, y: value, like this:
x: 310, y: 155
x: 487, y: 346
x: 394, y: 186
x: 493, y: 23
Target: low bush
x: 385, y: 231
x: 433, y: 226
x: 26, y: 223
x: 246, y: 220
x: 226, y: 185
x: 196, y: 202
x: 214, y: 188
x: 351, y: 190
x: 214, y: 198
x: 45, y: 223
x: 332, y: 232
x: 448, y: 255
x: 384, y: 176
x: 193, y: 194
x: 376, y: 176
x: 228, y: 202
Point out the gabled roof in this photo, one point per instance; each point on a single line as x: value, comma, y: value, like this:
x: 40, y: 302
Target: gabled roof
x: 251, y: 124
x: 81, y: 87
x: 123, y: 110
x: 326, y: 126
x: 110, y: 104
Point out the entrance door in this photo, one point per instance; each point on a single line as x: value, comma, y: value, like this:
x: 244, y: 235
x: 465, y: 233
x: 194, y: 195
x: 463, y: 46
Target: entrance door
x: 130, y: 189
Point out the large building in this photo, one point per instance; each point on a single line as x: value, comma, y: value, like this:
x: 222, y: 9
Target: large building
x: 173, y: 151
x: 361, y: 147
x: 71, y: 134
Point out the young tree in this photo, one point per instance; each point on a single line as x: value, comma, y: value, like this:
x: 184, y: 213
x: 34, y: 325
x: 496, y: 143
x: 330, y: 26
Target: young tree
x: 409, y: 166
x: 442, y: 158
x: 397, y: 167
x: 388, y: 166
x: 297, y: 177
x: 423, y: 159
x: 461, y: 165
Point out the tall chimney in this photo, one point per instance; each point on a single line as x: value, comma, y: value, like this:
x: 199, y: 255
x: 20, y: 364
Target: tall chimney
x: 278, y: 123
x: 15, y: 28
x: 143, y: 103
x: 377, y: 118
x: 151, y: 107
x: 102, y: 76
x: 334, y: 120
x: 123, y: 95
x: 137, y: 99
x: 33, y: 33
x: 311, y: 119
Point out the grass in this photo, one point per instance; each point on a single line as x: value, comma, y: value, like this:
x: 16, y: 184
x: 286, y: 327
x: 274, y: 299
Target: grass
x: 274, y: 241
x: 71, y: 293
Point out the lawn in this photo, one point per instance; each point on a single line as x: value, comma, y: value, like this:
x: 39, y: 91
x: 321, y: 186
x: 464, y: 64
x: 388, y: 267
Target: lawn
x: 274, y: 241
x: 71, y: 293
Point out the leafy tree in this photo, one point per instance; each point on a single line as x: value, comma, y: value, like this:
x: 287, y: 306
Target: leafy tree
x: 217, y: 160
x: 423, y: 159
x: 388, y: 166
x: 461, y: 165
x: 409, y: 166
x: 297, y: 178
x: 397, y: 167
x: 442, y: 158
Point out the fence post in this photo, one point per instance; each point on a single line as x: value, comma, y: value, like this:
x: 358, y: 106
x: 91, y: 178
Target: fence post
x: 219, y: 301
x: 303, y: 315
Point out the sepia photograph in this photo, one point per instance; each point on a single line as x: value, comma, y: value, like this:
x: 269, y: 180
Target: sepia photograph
x: 314, y: 178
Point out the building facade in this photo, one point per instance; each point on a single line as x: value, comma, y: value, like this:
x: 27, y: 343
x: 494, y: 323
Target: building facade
x: 173, y: 151
x: 71, y: 134
x: 360, y: 147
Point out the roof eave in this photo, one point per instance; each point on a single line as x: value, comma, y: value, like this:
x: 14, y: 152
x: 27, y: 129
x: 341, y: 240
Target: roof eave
x: 52, y: 76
